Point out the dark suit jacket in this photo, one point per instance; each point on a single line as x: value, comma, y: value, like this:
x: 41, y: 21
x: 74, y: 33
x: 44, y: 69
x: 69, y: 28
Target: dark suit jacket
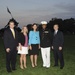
x: 58, y: 40
x: 22, y: 39
x: 9, y: 41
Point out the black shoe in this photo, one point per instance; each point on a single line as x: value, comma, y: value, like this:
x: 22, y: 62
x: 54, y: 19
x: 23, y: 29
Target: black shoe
x: 55, y: 66
x: 61, y: 67
x: 14, y: 69
x: 9, y: 71
x: 47, y: 67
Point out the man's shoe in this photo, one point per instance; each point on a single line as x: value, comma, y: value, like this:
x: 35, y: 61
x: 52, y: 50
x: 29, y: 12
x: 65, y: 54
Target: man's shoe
x: 61, y: 67
x: 55, y: 66
x: 44, y: 65
x: 47, y: 67
x: 9, y: 71
x: 14, y: 69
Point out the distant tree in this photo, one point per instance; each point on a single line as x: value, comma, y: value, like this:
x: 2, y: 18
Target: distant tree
x: 29, y: 26
x: 18, y: 29
x: 66, y: 25
x: 2, y: 32
x: 56, y: 21
x: 69, y: 25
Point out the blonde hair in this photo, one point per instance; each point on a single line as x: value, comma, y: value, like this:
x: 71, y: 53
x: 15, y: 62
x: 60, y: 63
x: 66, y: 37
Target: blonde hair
x: 22, y: 31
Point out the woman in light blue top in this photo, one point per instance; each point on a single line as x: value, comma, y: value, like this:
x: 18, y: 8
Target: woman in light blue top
x: 34, y: 45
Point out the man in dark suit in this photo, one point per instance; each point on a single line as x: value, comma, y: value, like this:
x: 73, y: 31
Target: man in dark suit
x: 57, y: 46
x: 11, y: 43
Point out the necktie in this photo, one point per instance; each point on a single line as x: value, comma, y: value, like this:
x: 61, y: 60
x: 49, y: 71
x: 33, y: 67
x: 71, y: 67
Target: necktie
x: 55, y: 33
x: 13, y: 32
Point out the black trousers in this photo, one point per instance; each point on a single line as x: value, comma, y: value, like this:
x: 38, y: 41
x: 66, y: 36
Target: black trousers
x: 11, y: 60
x: 58, y: 55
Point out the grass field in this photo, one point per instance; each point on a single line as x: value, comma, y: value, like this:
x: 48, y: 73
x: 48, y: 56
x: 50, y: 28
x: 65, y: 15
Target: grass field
x: 69, y: 58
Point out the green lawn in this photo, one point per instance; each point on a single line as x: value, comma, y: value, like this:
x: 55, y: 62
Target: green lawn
x: 69, y: 57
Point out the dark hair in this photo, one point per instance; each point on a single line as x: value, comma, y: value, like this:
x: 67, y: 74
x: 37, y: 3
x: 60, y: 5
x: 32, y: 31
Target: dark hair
x: 36, y: 25
x: 11, y: 22
x: 56, y: 24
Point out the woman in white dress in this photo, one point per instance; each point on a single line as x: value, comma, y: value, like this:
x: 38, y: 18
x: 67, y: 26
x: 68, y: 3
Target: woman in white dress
x: 23, y: 47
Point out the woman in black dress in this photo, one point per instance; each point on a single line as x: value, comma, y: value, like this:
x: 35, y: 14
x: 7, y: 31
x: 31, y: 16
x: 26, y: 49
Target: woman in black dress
x: 34, y: 45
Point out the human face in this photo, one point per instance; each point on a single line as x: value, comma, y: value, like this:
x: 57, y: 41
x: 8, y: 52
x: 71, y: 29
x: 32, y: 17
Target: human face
x: 34, y: 27
x: 25, y: 29
x: 56, y: 27
x: 44, y: 26
x: 11, y: 25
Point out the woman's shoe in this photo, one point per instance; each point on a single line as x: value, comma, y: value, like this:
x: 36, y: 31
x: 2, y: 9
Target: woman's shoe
x: 33, y: 65
x: 21, y: 67
x: 25, y: 66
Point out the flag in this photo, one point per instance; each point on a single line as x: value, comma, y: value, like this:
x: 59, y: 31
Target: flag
x: 8, y: 10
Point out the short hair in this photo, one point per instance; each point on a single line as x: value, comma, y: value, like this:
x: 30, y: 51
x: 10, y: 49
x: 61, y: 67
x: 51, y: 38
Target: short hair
x: 56, y: 24
x: 11, y: 22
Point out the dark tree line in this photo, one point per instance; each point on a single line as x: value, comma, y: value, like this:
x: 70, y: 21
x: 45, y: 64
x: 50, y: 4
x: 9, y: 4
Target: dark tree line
x: 67, y: 26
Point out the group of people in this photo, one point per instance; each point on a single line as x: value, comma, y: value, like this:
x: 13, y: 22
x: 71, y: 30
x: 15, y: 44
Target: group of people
x: 24, y: 43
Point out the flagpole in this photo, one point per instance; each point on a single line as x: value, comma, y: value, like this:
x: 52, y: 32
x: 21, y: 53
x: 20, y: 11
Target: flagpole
x: 16, y: 23
x: 9, y: 12
x: 11, y: 15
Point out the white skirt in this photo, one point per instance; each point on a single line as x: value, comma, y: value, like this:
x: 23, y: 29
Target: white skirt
x: 23, y: 51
